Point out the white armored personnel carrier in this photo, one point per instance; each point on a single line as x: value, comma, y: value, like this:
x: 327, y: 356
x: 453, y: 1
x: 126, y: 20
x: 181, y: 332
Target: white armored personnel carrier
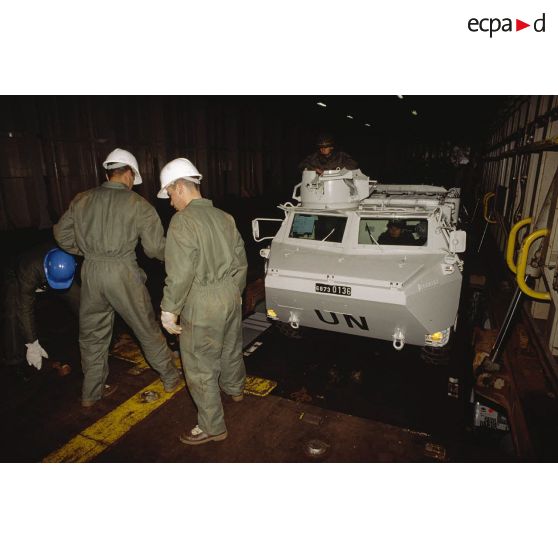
x: 368, y: 259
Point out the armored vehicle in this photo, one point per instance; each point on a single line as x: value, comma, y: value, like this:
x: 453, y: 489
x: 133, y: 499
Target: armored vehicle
x: 368, y: 259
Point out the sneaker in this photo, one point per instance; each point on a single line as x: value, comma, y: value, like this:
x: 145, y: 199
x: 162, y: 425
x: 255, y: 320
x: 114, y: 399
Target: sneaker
x: 108, y: 390
x: 173, y: 385
x: 238, y: 397
x: 197, y: 436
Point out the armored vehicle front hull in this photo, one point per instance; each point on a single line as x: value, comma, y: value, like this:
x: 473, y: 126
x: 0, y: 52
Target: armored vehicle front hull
x: 367, y: 259
x: 400, y: 296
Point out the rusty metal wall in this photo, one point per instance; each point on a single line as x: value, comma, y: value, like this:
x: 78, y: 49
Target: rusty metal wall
x: 52, y: 148
x: 520, y: 166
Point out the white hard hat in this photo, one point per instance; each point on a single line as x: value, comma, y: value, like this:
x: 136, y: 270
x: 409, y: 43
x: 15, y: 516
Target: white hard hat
x: 175, y: 169
x: 120, y: 158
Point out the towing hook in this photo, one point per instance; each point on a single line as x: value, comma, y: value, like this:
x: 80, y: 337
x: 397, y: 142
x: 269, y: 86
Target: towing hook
x: 294, y: 321
x: 398, y: 339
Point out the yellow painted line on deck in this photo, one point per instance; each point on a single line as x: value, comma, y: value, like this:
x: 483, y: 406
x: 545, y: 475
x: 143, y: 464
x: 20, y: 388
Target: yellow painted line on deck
x: 108, y: 430
x: 260, y: 387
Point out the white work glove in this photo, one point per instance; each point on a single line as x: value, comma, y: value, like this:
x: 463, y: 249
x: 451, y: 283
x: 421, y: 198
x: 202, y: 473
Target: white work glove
x: 168, y: 319
x: 35, y: 354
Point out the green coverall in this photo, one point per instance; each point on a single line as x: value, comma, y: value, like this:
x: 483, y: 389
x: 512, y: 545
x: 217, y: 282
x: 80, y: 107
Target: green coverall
x: 206, y: 269
x: 104, y: 225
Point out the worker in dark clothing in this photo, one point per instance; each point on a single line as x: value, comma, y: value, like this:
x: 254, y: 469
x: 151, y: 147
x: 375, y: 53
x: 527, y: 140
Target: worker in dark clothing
x: 104, y: 224
x: 327, y: 158
x: 44, y: 270
x: 206, y: 270
x: 397, y: 234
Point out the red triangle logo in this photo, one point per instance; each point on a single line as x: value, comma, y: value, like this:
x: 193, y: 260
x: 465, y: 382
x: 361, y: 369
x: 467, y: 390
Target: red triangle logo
x: 519, y: 25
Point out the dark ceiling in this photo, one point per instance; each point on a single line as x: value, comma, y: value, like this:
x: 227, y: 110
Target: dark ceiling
x: 454, y: 118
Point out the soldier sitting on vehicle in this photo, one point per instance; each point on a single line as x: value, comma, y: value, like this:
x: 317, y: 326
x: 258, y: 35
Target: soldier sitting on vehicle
x: 397, y: 234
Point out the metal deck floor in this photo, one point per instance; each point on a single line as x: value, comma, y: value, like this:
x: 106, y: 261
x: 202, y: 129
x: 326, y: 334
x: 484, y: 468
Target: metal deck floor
x: 367, y: 402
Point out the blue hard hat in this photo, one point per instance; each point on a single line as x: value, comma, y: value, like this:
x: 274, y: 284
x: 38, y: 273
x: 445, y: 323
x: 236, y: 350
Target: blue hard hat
x: 60, y: 268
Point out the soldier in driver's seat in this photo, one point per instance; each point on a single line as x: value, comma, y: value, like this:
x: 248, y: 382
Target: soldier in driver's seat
x: 397, y: 234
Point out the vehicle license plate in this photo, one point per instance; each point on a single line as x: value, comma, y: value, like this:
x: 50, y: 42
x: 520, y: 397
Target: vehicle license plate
x: 333, y: 289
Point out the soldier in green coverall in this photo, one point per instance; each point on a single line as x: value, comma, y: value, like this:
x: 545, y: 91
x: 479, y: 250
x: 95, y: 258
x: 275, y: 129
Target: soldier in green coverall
x: 104, y: 225
x: 44, y: 270
x: 206, y: 270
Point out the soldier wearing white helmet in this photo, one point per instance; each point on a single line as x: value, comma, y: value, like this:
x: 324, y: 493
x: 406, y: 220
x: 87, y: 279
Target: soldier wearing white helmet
x: 120, y: 161
x: 178, y: 168
x: 104, y: 225
x: 206, y: 269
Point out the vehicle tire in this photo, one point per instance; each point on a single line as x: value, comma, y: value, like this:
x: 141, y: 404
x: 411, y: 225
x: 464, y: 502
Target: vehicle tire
x: 436, y: 356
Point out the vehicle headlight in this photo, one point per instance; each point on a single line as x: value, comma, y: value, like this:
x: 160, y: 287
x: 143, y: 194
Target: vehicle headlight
x: 437, y: 339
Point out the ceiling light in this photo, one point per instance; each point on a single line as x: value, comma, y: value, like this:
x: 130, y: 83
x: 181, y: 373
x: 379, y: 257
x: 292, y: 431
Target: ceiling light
x: 350, y: 117
x: 414, y: 113
x: 368, y: 124
x: 320, y: 104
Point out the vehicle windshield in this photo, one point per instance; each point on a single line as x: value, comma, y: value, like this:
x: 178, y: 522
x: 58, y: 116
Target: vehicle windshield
x: 393, y: 231
x: 327, y: 228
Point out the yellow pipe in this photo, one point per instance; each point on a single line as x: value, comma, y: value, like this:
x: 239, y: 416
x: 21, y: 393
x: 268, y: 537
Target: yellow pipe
x: 522, y: 265
x: 485, y: 203
x: 511, y: 242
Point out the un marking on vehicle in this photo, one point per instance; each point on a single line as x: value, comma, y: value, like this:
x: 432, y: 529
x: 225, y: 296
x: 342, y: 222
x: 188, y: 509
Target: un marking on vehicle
x: 333, y: 289
x: 351, y: 321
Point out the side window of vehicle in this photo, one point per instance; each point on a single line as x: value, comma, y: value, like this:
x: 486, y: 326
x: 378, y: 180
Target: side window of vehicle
x: 303, y: 226
x: 325, y: 228
x: 395, y: 231
x: 369, y: 230
x: 421, y: 232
